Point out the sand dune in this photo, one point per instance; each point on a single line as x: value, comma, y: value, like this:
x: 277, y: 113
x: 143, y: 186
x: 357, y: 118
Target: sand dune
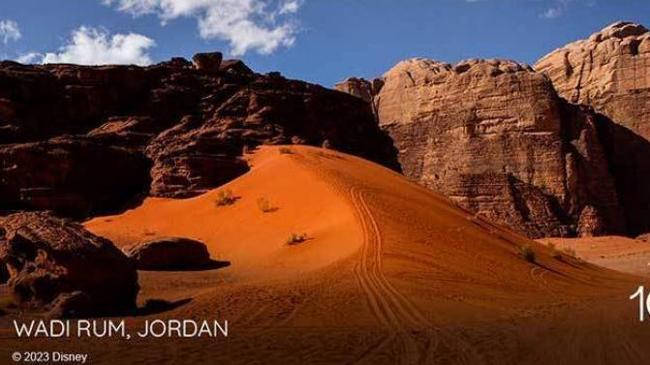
x: 391, y: 273
x: 615, y: 252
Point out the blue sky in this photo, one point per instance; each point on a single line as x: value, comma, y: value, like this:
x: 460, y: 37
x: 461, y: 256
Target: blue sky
x: 321, y: 41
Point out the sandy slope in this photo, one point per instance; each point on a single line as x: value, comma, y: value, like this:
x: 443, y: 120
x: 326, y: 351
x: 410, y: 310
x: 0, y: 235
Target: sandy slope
x: 392, y: 273
x: 614, y: 252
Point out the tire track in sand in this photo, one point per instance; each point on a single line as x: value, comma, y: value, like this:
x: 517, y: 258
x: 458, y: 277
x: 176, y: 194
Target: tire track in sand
x: 387, y: 304
x: 370, y: 269
x: 391, y: 307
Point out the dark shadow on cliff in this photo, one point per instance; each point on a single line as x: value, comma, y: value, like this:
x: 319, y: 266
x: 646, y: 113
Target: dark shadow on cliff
x: 72, y: 176
x: 629, y: 160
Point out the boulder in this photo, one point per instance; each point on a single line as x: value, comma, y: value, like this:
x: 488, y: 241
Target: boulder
x: 50, y: 259
x: 170, y: 254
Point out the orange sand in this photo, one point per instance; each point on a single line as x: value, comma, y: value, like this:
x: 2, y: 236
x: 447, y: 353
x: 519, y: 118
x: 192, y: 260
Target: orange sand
x: 614, y: 252
x: 391, y: 273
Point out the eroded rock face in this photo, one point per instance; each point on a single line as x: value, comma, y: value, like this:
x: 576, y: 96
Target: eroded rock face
x: 188, y: 122
x: 50, y: 259
x: 610, y: 71
x: 170, y: 254
x: 494, y: 136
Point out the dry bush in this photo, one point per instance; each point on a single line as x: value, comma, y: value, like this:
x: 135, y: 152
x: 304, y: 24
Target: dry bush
x: 225, y: 197
x: 265, y: 205
x: 295, y: 239
x: 570, y: 252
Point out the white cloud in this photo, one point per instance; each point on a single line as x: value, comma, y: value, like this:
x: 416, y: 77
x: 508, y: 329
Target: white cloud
x: 92, y: 46
x: 247, y: 25
x: 290, y: 7
x: 9, y: 31
x: 556, y: 10
x: 31, y: 57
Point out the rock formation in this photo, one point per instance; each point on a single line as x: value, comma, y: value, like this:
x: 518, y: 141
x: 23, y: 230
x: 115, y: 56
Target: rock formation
x: 86, y: 140
x: 55, y: 263
x: 170, y: 254
x: 610, y: 71
x: 494, y: 136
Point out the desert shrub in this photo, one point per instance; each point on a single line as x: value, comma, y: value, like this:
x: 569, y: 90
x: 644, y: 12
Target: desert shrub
x: 527, y: 253
x: 265, y: 205
x: 327, y: 144
x: 225, y: 197
x: 295, y: 238
x: 555, y: 253
x: 570, y: 252
x: 285, y: 150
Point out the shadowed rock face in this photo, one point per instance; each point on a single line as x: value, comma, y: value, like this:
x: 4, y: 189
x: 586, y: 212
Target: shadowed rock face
x: 71, y: 175
x: 494, y: 136
x: 610, y: 71
x: 78, y: 139
x: 50, y: 259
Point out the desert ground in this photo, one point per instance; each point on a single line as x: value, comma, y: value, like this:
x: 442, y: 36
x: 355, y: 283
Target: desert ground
x: 390, y: 273
x: 615, y: 252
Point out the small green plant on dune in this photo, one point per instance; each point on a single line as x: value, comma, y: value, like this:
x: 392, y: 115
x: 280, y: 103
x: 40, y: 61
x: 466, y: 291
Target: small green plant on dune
x: 225, y: 197
x: 265, y: 205
x: 285, y: 150
x: 527, y: 253
x: 295, y: 239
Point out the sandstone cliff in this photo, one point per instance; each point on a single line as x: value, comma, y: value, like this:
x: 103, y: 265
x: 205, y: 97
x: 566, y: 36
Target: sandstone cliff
x: 494, y: 136
x: 83, y: 140
x: 610, y: 71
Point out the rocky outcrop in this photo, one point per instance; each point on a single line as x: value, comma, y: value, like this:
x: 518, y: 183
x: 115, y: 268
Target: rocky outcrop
x: 494, y: 136
x: 75, y: 139
x: 55, y: 263
x: 71, y: 175
x: 170, y: 254
x: 359, y: 87
x: 610, y: 71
